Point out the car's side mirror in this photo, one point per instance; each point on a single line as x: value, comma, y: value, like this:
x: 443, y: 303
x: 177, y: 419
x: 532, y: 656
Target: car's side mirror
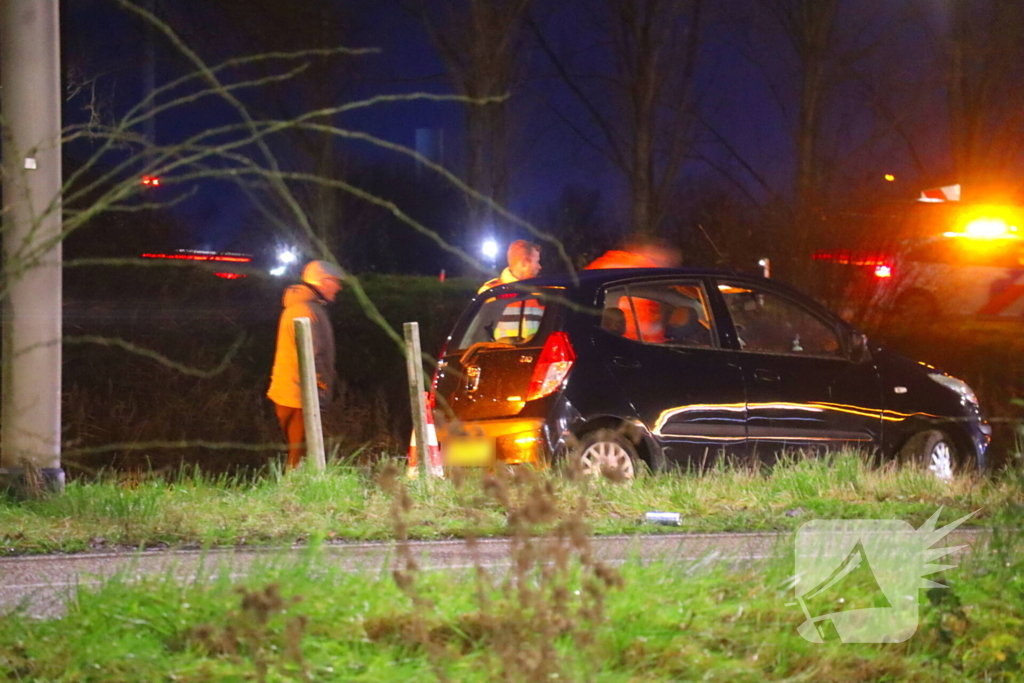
x: 859, y: 351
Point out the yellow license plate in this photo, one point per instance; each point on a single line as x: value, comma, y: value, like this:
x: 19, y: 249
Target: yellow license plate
x: 468, y: 452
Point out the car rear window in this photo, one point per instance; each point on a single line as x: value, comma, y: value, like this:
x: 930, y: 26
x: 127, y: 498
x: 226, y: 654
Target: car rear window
x: 509, y: 318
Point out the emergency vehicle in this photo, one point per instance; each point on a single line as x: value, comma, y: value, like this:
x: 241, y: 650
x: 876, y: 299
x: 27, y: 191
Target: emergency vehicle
x: 975, y: 268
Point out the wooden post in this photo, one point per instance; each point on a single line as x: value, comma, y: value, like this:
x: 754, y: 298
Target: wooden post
x: 310, y: 395
x: 414, y: 366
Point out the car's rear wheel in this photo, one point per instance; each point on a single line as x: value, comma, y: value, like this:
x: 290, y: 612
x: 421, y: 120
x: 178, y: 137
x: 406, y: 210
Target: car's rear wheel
x: 605, y: 452
x: 932, y: 451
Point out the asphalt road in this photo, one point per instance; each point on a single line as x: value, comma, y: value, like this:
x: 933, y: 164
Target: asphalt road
x: 43, y: 585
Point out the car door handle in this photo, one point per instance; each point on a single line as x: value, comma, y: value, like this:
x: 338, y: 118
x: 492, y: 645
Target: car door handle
x: 766, y: 375
x: 624, y: 362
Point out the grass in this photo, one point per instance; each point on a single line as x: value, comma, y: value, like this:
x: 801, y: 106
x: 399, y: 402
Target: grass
x: 191, y: 509
x: 556, y: 615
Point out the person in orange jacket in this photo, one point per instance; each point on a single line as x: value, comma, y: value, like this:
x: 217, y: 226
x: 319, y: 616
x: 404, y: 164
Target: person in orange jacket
x: 321, y: 282
x: 645, y: 253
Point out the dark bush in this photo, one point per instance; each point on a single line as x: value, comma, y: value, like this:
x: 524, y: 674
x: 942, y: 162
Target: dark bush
x: 115, y: 396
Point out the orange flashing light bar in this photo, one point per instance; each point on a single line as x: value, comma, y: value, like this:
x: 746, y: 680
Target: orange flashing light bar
x: 987, y: 229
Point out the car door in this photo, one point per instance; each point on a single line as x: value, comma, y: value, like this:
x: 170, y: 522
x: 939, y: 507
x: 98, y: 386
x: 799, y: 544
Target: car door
x: 660, y: 341
x: 803, y: 390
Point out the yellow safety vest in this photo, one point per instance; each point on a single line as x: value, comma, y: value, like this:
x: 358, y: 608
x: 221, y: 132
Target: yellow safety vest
x: 519, y: 319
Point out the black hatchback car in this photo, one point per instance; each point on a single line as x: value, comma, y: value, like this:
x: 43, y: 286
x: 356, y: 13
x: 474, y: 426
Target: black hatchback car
x: 679, y: 368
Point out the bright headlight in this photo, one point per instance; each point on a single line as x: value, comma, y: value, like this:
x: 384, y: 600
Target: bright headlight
x: 957, y: 385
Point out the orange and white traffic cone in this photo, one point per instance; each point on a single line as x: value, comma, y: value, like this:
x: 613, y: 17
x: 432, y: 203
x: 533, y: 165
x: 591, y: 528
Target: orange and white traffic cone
x: 434, y: 467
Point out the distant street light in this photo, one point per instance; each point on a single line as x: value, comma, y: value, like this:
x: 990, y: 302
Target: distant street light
x: 490, y: 250
x: 287, y: 256
x: 890, y: 177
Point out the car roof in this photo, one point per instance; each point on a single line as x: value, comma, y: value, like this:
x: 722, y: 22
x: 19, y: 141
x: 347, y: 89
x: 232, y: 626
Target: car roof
x: 588, y: 281
x: 584, y: 287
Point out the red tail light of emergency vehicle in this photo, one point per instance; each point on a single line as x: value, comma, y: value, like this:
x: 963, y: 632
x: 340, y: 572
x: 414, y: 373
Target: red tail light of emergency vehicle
x: 852, y: 257
x: 555, y: 362
x: 880, y: 261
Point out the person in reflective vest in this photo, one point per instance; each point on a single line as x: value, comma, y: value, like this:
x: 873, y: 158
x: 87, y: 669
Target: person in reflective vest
x: 321, y: 282
x: 523, y: 264
x: 519, y: 321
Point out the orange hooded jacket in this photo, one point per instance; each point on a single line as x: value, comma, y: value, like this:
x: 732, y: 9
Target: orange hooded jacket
x: 648, y: 312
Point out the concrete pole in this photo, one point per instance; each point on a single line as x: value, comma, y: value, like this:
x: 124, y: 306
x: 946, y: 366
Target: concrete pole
x: 310, y: 395
x: 31, y: 102
x: 414, y: 367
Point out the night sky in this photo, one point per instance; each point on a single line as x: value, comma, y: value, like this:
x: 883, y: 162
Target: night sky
x: 742, y: 77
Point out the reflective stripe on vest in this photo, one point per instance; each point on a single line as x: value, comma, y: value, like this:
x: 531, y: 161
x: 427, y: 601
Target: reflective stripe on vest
x: 519, y: 319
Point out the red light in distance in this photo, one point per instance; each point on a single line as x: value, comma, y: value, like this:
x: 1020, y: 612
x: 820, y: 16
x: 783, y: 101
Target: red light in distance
x: 151, y: 181
x: 201, y: 257
x: 229, y: 276
x: 850, y: 257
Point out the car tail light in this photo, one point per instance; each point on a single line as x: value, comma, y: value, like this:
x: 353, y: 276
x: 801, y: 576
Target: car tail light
x: 555, y: 362
x: 432, y: 396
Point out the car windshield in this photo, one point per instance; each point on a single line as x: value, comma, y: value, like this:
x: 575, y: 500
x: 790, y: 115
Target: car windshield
x: 509, y: 318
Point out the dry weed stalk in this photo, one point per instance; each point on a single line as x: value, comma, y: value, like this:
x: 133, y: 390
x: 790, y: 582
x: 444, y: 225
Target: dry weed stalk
x: 248, y: 633
x: 534, y: 620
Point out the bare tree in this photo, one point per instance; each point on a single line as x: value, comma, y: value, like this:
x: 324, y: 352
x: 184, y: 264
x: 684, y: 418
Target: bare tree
x: 642, y: 114
x: 480, y: 43
x: 238, y: 141
x: 269, y: 27
x: 807, y: 28
x: 821, y: 60
x: 983, y: 57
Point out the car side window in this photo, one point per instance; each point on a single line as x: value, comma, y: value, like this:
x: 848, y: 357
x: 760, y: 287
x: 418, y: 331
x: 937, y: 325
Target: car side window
x: 671, y: 313
x: 769, y: 323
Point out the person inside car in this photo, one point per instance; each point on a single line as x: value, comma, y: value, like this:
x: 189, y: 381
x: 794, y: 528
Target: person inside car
x: 641, y: 253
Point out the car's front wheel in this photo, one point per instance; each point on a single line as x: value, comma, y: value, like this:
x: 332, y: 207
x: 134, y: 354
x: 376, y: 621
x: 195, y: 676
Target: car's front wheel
x: 605, y: 452
x: 932, y: 451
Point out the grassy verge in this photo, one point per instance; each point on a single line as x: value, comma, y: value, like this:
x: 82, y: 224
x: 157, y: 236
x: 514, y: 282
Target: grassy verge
x: 555, y: 616
x: 348, y: 503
